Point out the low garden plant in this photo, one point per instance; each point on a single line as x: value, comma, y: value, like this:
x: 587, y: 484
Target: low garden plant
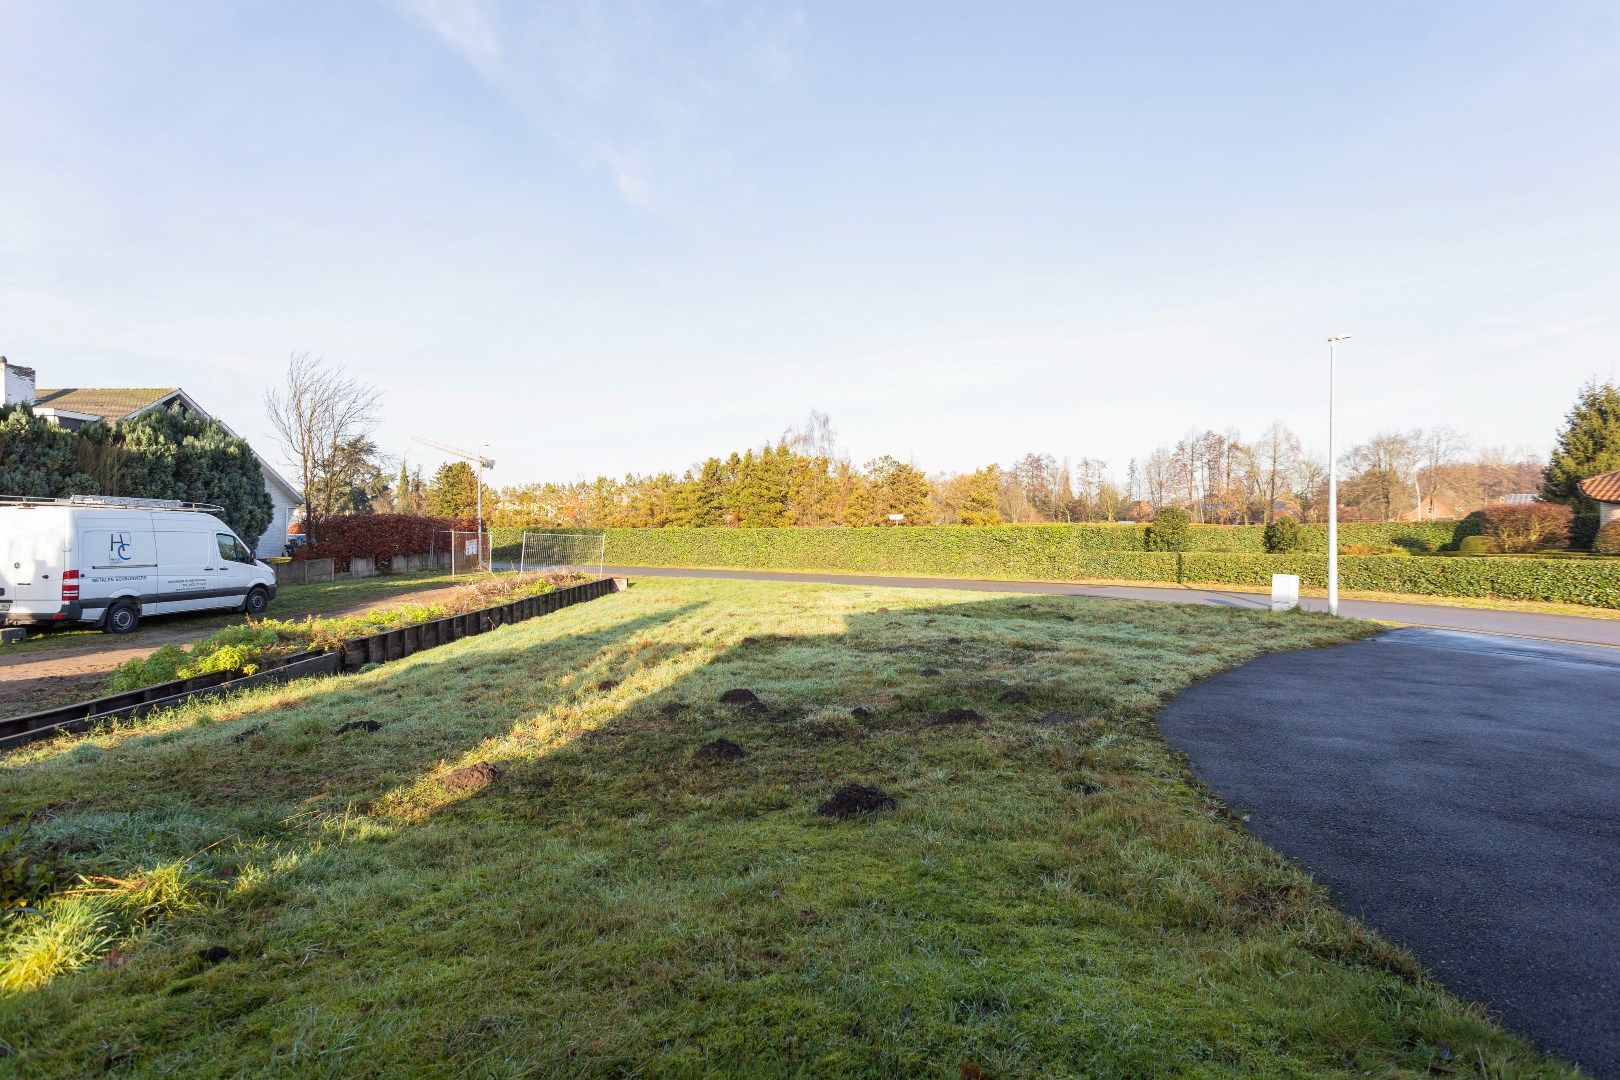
x: 708, y: 828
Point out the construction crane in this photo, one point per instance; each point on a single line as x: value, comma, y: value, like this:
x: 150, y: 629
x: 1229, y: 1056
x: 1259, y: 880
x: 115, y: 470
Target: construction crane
x: 478, y: 478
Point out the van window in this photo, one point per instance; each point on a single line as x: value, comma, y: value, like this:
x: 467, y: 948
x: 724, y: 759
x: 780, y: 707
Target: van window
x: 232, y: 549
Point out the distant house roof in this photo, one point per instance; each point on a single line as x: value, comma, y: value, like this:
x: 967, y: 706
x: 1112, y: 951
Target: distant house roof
x: 1521, y: 498
x: 1604, y: 487
x: 110, y: 404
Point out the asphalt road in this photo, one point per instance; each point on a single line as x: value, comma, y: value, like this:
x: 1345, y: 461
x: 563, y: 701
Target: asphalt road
x: 1460, y: 794
x: 1575, y: 628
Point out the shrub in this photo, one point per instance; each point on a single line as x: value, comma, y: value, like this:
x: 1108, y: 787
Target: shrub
x: 1282, y: 537
x: 1477, y: 545
x: 1526, y: 527
x: 377, y: 536
x: 1608, y: 539
x: 1169, y: 530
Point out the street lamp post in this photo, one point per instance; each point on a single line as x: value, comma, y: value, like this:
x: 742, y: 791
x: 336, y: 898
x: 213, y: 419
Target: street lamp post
x: 1333, y: 491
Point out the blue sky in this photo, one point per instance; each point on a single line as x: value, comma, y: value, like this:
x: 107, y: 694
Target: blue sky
x: 607, y: 237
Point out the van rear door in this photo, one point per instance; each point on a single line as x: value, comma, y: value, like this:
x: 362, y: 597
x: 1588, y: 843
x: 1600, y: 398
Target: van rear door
x: 33, y: 551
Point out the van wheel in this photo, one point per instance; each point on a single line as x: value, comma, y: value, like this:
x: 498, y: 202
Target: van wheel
x: 122, y: 617
x: 256, y: 601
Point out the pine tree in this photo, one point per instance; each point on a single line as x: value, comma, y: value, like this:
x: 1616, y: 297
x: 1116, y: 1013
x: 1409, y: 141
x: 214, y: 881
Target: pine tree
x: 403, y: 503
x: 171, y: 454
x: 1588, y: 445
x: 38, y: 458
x: 763, y: 489
x: 453, y: 493
x: 982, y: 498
x: 894, y: 487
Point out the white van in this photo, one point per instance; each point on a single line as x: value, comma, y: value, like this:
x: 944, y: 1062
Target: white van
x: 108, y: 562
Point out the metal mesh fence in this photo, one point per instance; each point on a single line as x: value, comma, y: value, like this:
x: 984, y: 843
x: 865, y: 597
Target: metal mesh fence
x: 574, y: 552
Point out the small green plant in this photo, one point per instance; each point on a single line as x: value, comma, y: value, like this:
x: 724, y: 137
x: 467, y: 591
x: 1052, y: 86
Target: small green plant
x: 1283, y: 537
x: 1607, y: 541
x: 163, y: 665
x: 1169, y: 530
x: 1476, y: 545
x: 24, y: 877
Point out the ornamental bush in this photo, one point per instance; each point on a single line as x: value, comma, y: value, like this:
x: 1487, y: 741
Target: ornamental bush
x: 1169, y: 530
x: 1282, y: 537
x: 1608, y: 539
x: 1477, y: 545
x: 1527, y: 527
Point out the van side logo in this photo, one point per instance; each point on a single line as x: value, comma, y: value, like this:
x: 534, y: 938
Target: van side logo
x: 120, y: 547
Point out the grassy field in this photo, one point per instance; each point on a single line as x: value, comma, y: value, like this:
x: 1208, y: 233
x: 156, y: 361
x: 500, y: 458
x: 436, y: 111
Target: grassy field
x: 291, y: 602
x: 1050, y: 895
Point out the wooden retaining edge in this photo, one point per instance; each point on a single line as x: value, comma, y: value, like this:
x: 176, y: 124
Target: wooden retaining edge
x: 350, y: 656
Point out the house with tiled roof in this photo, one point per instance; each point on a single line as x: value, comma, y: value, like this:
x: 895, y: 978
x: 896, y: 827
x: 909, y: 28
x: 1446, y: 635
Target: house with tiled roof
x: 73, y: 407
x: 1604, y: 489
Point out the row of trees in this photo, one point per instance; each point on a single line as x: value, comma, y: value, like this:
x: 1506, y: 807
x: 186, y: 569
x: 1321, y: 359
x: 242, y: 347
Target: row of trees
x: 326, y: 421
x: 159, y: 454
x: 1216, y: 477
x: 1222, y: 478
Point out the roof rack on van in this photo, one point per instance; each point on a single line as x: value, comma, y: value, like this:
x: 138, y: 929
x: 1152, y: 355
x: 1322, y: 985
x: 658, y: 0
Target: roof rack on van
x: 119, y: 501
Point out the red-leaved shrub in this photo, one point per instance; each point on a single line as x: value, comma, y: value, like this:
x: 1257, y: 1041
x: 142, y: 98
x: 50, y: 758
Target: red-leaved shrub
x: 1608, y: 539
x: 1522, y: 527
x: 378, y: 536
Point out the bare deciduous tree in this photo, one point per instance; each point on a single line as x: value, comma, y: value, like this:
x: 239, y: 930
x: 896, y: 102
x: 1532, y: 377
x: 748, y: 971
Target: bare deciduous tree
x: 1438, y: 450
x: 317, y: 413
x: 1382, y: 474
x: 816, y: 439
x: 1276, y: 467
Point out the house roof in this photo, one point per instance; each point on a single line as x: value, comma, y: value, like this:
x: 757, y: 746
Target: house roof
x: 115, y: 403
x: 112, y: 404
x: 1605, y: 487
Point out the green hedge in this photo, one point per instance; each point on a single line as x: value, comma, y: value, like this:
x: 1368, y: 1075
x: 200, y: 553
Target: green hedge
x: 1594, y: 582
x: 1069, y: 553
x: 812, y: 548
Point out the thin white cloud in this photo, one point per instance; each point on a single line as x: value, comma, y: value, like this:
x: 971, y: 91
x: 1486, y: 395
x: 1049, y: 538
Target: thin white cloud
x: 467, y: 26
x: 656, y: 97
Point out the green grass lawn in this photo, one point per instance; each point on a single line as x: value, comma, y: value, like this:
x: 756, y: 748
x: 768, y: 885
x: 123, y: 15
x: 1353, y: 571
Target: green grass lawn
x: 291, y: 602
x: 1052, y: 895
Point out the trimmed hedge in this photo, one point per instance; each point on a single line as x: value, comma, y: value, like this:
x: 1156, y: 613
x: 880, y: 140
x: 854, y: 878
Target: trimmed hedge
x: 377, y: 536
x: 1070, y: 553
x: 1592, y: 582
x: 816, y: 545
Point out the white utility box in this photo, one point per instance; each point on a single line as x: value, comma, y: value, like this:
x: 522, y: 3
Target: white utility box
x: 1284, y: 592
